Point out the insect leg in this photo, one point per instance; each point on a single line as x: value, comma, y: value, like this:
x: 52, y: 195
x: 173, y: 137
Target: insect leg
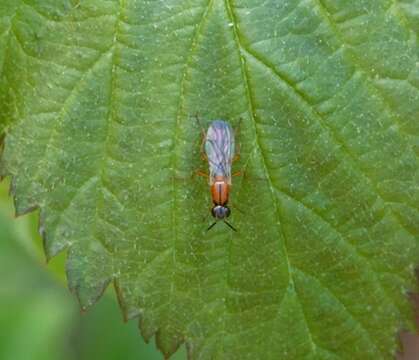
x: 236, y: 208
x: 211, y: 226
x: 201, y: 173
x: 204, y: 156
x: 229, y: 225
x: 203, y: 138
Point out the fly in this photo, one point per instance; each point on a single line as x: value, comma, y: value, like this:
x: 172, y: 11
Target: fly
x: 219, y: 148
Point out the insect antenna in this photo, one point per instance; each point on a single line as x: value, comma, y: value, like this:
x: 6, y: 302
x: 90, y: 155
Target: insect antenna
x: 229, y: 225
x: 211, y: 226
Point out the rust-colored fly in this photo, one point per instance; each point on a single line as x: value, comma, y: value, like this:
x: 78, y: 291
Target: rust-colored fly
x: 219, y: 148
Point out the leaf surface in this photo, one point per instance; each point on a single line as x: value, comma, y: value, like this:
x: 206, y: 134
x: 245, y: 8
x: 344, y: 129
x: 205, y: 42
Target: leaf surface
x: 101, y: 98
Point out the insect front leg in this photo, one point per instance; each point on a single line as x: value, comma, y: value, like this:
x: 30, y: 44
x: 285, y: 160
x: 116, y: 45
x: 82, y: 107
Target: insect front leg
x: 201, y: 173
x: 204, y: 156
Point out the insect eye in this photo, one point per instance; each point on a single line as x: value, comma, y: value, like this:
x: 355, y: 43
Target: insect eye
x: 228, y: 211
x: 213, y: 212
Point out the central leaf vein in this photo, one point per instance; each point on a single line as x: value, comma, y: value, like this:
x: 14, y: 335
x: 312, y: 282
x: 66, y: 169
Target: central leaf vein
x: 252, y: 114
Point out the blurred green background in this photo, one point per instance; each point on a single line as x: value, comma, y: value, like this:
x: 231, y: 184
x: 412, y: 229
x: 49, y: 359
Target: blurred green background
x: 40, y: 319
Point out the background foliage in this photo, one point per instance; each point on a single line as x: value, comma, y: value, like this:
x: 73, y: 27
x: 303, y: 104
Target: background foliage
x: 39, y: 320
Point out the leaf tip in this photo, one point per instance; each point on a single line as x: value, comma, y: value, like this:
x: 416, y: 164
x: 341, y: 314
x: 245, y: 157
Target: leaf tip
x: 87, y: 283
x: 128, y: 312
x: 168, y: 341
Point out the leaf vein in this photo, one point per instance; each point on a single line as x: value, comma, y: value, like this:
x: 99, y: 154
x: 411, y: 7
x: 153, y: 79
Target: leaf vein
x: 252, y: 113
x: 301, y: 98
x: 345, y: 308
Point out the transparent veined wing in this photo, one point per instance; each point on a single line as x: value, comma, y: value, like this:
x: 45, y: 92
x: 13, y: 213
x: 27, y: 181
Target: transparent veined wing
x: 219, y: 148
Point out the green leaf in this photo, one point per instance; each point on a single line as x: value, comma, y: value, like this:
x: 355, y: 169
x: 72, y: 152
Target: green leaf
x: 101, y: 96
x: 29, y: 297
x: 36, y: 311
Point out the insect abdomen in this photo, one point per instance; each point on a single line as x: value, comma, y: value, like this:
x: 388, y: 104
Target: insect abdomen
x: 220, y: 191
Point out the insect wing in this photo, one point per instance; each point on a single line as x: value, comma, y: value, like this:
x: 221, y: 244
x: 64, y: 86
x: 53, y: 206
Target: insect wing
x: 219, y: 147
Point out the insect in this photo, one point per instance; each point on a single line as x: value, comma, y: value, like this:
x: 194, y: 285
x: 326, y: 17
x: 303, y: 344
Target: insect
x: 219, y: 147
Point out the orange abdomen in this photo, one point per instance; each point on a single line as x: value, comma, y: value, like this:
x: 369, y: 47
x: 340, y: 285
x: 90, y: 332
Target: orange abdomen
x: 220, y: 191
